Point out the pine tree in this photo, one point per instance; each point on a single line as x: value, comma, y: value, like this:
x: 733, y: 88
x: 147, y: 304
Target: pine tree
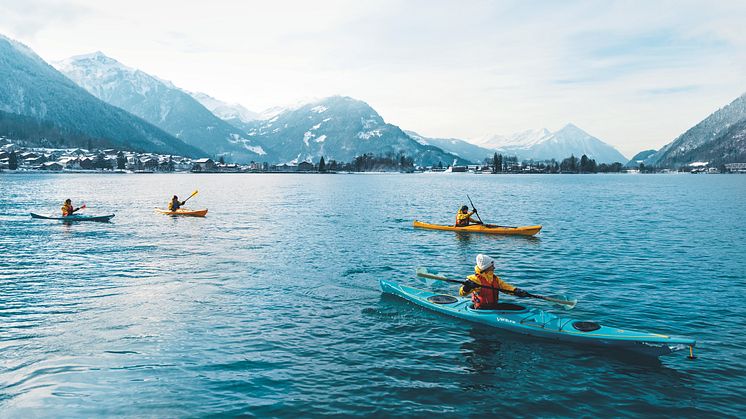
x: 121, y: 161
x: 13, y: 161
x: 322, y: 165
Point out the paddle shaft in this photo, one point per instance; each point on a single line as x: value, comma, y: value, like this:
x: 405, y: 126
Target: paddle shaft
x: 540, y: 297
x: 475, y: 210
x: 190, y: 197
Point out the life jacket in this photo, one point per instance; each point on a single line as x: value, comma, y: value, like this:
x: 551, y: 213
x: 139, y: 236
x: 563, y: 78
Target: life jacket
x: 174, y: 205
x: 67, y: 210
x: 462, y: 219
x: 485, y: 297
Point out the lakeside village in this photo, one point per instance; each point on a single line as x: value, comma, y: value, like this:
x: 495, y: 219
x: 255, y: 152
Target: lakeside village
x: 32, y: 159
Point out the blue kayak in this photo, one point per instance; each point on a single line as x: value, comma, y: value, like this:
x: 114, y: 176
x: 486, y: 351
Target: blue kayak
x: 75, y: 217
x: 536, y: 322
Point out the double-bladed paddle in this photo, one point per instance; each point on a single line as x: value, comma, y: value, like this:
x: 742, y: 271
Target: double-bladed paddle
x: 190, y: 196
x: 565, y: 302
x: 480, y: 218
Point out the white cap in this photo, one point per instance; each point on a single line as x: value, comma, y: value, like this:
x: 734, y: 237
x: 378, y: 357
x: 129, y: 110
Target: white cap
x: 484, y: 262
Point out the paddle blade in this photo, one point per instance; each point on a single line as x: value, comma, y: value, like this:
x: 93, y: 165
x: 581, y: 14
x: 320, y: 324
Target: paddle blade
x: 83, y: 206
x: 564, y: 301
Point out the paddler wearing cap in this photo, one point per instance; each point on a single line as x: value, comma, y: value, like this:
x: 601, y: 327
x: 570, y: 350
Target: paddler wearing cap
x: 484, y: 276
x: 463, y: 217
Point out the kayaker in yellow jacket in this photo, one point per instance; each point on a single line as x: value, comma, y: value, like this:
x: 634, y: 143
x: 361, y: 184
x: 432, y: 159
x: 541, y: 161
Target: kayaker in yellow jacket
x: 67, y: 208
x: 175, y: 204
x: 484, y: 276
x: 463, y: 217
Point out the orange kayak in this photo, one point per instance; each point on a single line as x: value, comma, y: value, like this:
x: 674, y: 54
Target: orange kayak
x: 184, y: 212
x: 486, y: 229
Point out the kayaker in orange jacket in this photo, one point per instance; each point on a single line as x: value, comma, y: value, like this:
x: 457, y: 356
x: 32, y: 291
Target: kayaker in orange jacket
x: 67, y: 208
x: 175, y: 204
x: 484, y: 276
x: 463, y: 217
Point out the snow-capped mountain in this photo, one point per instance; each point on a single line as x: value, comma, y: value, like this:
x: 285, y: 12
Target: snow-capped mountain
x: 32, y: 88
x: 520, y: 140
x: 339, y: 128
x: 455, y: 146
x: 543, y: 144
x: 160, y: 103
x: 233, y: 113
x: 719, y: 138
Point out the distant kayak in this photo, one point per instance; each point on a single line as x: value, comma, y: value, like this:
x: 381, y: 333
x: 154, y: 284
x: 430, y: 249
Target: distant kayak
x: 184, y: 212
x: 535, y: 322
x: 75, y: 217
x: 483, y: 228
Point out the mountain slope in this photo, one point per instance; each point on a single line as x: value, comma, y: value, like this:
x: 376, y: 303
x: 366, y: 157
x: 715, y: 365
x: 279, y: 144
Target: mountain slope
x: 160, y: 103
x: 640, y: 158
x: 31, y: 87
x: 716, y: 139
x: 339, y: 128
x: 461, y: 148
x: 543, y: 144
x: 232, y: 113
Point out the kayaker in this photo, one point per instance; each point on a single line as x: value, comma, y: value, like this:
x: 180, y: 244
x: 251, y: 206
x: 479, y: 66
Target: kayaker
x: 67, y: 208
x: 463, y: 217
x: 175, y: 204
x: 484, y: 276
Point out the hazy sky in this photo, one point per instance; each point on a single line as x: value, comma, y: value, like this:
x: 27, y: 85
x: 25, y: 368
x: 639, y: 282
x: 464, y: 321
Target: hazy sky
x: 634, y: 73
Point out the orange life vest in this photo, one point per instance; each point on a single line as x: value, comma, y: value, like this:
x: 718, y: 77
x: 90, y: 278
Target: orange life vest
x: 486, y: 297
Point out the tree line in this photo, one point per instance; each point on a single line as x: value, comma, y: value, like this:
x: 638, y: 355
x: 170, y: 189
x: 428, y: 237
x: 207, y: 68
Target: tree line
x: 572, y: 164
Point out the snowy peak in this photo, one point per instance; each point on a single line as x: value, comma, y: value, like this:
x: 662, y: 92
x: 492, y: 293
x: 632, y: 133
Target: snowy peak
x: 542, y: 144
x: 161, y: 103
x: 229, y: 112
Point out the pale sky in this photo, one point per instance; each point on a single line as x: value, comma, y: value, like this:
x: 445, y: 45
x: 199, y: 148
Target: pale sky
x: 636, y: 74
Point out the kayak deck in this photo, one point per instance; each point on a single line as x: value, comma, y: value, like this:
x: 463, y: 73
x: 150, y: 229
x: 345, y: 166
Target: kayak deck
x: 183, y: 212
x: 536, y: 322
x: 486, y: 229
x: 75, y: 217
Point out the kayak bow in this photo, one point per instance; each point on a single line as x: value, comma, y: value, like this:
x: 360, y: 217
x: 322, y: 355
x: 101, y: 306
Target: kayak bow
x: 535, y: 322
x: 483, y: 228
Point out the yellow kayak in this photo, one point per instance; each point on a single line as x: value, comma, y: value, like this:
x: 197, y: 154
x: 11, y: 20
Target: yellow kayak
x: 486, y: 229
x: 184, y: 212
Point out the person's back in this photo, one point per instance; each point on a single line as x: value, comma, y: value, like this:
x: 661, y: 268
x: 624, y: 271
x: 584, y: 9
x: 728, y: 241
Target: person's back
x: 175, y: 204
x: 463, y: 217
x: 484, y: 286
x: 67, y: 208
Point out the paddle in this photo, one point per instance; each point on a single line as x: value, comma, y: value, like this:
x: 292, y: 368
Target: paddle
x: 480, y: 218
x: 475, y: 210
x: 79, y: 208
x: 566, y: 303
x: 190, y: 196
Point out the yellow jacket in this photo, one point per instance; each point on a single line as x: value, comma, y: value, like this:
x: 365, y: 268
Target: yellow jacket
x: 67, y: 210
x: 463, y: 219
x: 485, y: 278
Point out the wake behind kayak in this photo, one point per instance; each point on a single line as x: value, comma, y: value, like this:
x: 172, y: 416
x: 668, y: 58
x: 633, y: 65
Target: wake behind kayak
x: 535, y: 322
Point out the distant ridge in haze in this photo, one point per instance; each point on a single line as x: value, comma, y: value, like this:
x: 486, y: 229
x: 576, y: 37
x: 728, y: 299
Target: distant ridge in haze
x: 455, y: 146
x: 30, y: 87
x: 232, y: 113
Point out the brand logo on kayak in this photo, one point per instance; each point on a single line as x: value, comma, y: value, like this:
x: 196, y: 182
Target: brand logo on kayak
x: 504, y: 320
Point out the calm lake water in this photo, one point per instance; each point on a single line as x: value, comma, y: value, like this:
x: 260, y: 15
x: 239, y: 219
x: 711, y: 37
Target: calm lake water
x: 270, y: 305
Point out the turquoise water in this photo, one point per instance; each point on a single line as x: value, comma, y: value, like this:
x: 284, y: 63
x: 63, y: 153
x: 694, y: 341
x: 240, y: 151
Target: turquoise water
x: 270, y: 305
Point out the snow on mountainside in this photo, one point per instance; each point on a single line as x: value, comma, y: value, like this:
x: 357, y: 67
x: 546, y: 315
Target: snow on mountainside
x: 160, y: 103
x: 339, y: 128
x: 716, y: 139
x: 32, y: 88
x: 233, y: 113
x: 542, y: 144
x: 455, y: 146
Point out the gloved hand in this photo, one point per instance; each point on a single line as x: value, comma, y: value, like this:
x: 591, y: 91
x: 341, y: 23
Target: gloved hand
x: 474, y: 209
x: 469, y: 286
x: 520, y: 293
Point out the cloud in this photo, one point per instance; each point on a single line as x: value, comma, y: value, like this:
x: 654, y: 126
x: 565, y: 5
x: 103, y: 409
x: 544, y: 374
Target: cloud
x: 25, y: 18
